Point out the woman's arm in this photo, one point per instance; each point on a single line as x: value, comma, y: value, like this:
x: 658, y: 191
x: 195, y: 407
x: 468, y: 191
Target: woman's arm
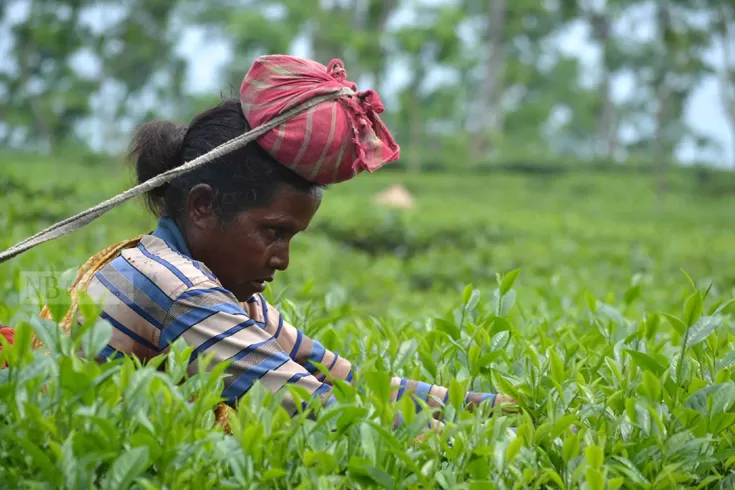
x: 304, y: 350
x: 213, y: 322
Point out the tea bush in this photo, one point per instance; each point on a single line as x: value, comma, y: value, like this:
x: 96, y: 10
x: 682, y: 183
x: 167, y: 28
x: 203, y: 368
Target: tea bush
x: 568, y: 295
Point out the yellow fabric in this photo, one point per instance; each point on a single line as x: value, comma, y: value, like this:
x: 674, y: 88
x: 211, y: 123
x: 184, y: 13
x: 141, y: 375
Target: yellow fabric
x: 85, y: 274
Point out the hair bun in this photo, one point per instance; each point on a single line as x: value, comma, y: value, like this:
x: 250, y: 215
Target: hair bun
x: 155, y: 149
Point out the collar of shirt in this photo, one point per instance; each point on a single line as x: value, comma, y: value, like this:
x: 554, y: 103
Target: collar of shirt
x: 170, y: 233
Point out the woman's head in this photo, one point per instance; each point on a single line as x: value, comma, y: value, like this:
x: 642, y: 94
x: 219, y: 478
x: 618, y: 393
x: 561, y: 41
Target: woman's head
x: 239, y: 213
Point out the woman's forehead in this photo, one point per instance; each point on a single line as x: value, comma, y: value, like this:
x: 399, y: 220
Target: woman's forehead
x: 289, y: 205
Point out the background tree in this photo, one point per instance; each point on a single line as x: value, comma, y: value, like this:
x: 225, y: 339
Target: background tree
x: 667, y: 68
x: 124, y: 46
x: 723, y: 20
x: 467, y: 82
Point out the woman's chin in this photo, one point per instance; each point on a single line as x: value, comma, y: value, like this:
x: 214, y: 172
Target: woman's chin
x: 245, y: 291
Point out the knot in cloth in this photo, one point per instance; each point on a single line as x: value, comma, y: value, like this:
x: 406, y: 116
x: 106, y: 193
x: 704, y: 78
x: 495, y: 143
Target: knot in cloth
x: 332, y: 141
x: 337, y: 69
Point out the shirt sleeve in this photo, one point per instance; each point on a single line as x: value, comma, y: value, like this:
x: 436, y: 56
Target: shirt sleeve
x: 304, y: 350
x: 300, y: 348
x: 212, y: 321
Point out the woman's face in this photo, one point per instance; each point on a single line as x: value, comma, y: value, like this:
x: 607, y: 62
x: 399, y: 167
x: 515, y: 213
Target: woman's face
x: 247, y: 252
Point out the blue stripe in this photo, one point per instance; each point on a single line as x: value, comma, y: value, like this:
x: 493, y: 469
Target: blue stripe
x: 422, y: 393
x: 317, y: 355
x: 487, y: 396
x: 403, y: 388
x: 296, y: 346
x: 193, y: 293
x: 166, y: 264
x: 446, y: 397
x: 264, y: 323
x: 247, y: 350
x: 198, y: 265
x: 323, y: 376
x: 127, y: 331
x: 209, y: 343
x: 169, y: 232
x: 280, y: 325
x: 422, y: 390
x: 183, y: 323
x: 297, y: 377
x: 265, y: 309
x: 350, y: 375
x: 119, y: 294
x: 251, y: 299
x: 336, y: 356
x: 195, y: 316
x: 143, y: 283
x: 109, y: 351
x: 321, y: 390
x: 246, y: 380
x: 318, y: 392
x: 484, y: 397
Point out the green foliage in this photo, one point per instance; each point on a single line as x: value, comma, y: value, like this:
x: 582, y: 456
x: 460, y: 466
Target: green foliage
x: 608, y: 319
x: 602, y: 401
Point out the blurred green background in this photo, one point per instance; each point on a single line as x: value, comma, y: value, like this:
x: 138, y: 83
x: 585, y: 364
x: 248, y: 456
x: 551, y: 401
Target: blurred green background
x: 586, y: 142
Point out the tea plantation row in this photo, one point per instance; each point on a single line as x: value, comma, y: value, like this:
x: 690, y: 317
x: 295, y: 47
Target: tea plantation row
x: 621, y: 362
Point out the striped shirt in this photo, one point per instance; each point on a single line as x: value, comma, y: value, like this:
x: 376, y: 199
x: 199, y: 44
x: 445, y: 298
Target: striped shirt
x: 156, y: 293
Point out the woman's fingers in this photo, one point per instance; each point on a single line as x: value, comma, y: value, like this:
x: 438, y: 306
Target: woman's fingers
x: 505, y: 400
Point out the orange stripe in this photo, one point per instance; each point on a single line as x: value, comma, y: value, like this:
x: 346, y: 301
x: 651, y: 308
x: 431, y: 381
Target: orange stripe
x: 332, y: 128
x: 338, y: 163
x: 307, y: 137
x: 281, y: 130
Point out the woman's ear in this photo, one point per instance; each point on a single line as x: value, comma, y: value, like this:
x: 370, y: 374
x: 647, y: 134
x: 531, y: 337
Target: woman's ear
x: 200, y: 208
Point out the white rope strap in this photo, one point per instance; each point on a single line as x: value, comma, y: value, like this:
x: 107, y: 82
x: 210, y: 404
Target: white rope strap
x: 87, y: 216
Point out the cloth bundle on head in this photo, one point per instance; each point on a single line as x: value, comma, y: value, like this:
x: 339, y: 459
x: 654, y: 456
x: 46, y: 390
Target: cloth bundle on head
x: 331, y: 142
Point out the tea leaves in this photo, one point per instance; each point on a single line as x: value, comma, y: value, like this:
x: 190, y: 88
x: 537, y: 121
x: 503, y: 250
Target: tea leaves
x: 622, y: 367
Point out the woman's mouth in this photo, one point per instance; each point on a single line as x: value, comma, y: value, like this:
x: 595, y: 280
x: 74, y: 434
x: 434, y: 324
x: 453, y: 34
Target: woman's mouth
x: 259, y: 284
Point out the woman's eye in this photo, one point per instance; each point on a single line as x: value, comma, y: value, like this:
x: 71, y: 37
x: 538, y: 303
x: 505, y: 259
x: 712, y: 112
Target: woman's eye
x: 276, y: 232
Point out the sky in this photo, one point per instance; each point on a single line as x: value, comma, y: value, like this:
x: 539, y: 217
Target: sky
x: 705, y: 112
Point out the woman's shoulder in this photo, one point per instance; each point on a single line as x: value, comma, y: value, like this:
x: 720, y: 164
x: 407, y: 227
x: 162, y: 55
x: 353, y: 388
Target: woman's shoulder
x: 156, y: 270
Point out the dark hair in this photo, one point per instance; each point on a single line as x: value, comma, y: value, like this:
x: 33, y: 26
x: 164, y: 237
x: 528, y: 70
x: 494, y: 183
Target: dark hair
x: 242, y: 179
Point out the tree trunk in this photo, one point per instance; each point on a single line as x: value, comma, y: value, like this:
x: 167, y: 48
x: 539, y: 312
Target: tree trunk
x: 607, y: 124
x: 27, y: 49
x: 416, y: 134
x: 388, y: 6
x: 727, y: 84
x: 33, y: 100
x: 662, y: 98
x: 659, y: 146
x: 491, y: 116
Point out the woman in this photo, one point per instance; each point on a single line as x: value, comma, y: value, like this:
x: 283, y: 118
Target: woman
x: 224, y: 231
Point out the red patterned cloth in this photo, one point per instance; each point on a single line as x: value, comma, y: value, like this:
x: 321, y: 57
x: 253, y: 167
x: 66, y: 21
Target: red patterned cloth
x: 331, y: 142
x: 9, y: 335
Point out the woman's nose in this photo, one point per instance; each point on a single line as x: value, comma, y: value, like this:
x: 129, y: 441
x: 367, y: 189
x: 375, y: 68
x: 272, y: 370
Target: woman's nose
x: 280, y: 259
